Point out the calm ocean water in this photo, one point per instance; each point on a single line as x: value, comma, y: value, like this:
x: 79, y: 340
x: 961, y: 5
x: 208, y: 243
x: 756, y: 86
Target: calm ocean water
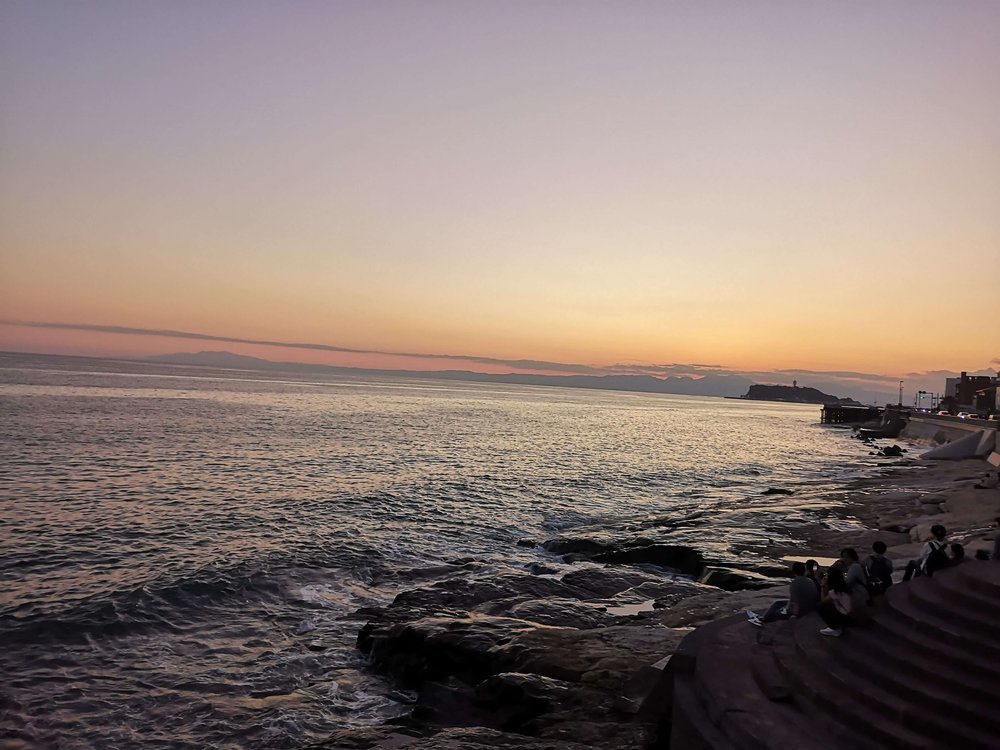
x: 165, y: 531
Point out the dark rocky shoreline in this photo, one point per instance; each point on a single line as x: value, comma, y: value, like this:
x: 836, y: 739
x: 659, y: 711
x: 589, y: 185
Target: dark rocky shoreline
x: 573, y: 654
x: 545, y: 658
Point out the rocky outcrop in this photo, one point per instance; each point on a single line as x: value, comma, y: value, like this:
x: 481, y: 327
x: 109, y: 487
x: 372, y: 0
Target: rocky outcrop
x: 568, y: 659
x: 795, y: 395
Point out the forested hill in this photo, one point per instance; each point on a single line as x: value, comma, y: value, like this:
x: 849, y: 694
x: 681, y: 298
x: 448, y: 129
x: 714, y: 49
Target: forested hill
x: 793, y: 394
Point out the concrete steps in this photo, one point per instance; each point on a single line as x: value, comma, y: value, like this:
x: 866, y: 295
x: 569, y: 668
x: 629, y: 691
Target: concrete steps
x: 825, y: 688
x: 938, y: 717
x: 900, y: 662
x: 986, y: 581
x: 976, y: 591
x: 824, y: 728
x: 900, y: 638
x: 936, y: 602
x: 922, y: 606
x: 924, y: 674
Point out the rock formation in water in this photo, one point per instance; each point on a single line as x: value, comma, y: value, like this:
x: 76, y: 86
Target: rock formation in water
x: 795, y: 394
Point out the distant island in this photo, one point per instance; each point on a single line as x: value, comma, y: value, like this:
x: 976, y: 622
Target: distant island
x: 795, y: 395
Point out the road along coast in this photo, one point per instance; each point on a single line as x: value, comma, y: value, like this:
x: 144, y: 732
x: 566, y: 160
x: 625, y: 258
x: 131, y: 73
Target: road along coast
x: 561, y: 660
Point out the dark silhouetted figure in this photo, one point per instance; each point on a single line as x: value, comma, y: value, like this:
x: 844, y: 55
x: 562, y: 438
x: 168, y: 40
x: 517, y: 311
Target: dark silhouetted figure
x: 813, y: 573
x: 854, y: 576
x: 879, y: 569
x: 930, y: 555
x: 835, y: 609
x: 803, y: 596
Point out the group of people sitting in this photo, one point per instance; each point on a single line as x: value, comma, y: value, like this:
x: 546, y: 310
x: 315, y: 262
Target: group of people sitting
x: 845, y: 593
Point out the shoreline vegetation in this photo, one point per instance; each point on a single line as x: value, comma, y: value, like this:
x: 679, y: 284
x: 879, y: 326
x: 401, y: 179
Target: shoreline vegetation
x: 533, y: 661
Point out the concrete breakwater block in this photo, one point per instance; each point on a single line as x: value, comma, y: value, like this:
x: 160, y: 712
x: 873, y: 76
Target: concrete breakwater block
x: 974, y: 444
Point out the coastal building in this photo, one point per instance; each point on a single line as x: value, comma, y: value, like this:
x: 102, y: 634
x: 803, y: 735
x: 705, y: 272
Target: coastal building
x: 988, y: 399
x: 969, y: 385
x: 951, y: 387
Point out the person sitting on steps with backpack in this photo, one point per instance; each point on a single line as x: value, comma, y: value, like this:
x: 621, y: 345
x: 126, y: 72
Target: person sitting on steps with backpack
x: 855, y: 575
x: 879, y: 569
x: 838, y: 605
x: 933, y: 556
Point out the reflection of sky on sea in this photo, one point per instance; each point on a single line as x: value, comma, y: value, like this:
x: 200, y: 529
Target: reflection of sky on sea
x: 167, y: 533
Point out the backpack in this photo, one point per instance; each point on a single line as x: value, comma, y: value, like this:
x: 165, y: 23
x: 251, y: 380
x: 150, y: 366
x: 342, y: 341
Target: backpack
x: 938, y: 558
x: 879, y: 572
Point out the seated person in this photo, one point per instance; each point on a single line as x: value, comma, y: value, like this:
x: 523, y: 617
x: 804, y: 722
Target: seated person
x: 879, y: 569
x: 855, y: 576
x: 802, y: 599
x: 932, y: 549
x: 835, y: 609
x: 813, y: 572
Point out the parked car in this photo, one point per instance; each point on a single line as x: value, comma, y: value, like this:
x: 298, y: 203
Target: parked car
x: 967, y: 415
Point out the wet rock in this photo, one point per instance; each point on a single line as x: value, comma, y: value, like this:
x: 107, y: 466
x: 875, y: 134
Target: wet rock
x: 527, y: 543
x: 733, y: 580
x: 777, y: 491
x: 452, y: 703
x: 559, y: 683
x: 413, y: 575
x: 676, y: 557
x: 603, y: 657
x: 898, y: 497
x: 540, y: 569
x: 452, y: 738
x: 517, y: 698
x: 602, y: 583
x: 658, y: 590
x: 634, y: 551
x: 569, y: 613
x: 431, y: 649
x: 891, y: 451
x: 898, y: 527
x: 930, y: 509
x: 466, y: 594
x: 563, y: 546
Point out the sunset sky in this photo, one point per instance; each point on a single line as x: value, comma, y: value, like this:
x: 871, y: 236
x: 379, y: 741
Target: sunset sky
x: 757, y: 186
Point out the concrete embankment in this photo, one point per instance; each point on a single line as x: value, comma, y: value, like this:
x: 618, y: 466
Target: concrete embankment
x: 935, y: 430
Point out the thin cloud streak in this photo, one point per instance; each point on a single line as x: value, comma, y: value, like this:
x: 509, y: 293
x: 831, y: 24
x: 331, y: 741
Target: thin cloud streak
x: 671, y: 369
x: 862, y: 384
x: 520, y: 364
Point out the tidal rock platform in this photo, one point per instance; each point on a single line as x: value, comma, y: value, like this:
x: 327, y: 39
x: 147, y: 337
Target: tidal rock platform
x: 923, y: 673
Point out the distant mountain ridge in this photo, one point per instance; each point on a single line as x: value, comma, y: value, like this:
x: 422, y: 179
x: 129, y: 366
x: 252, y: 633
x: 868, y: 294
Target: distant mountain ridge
x: 709, y: 385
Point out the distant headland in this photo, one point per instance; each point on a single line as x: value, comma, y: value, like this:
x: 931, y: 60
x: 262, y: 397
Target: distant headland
x: 794, y: 394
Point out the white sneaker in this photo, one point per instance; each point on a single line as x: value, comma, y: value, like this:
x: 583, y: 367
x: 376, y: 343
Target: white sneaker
x: 835, y: 632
